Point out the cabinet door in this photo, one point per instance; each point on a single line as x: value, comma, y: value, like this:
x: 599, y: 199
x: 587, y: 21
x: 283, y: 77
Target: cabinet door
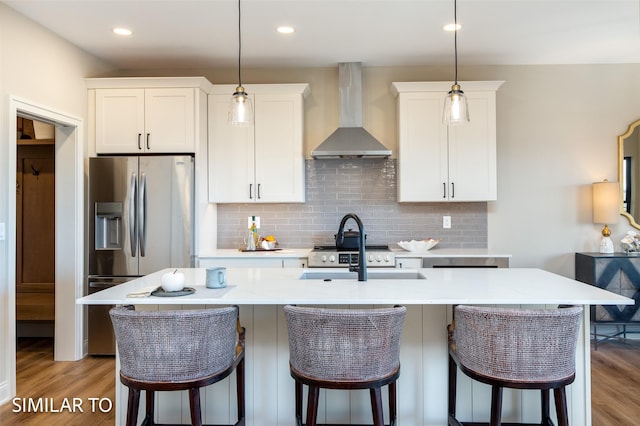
x: 169, y: 120
x: 231, y: 156
x: 408, y: 262
x: 119, y: 121
x: 278, y: 148
x: 422, y: 165
x: 472, y: 152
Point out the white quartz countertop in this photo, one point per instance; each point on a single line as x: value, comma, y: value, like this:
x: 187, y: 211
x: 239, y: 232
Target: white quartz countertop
x: 238, y: 254
x: 438, y: 252
x: 273, y: 286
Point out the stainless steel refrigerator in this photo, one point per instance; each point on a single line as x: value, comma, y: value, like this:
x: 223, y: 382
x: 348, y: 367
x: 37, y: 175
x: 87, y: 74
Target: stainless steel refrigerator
x: 141, y: 221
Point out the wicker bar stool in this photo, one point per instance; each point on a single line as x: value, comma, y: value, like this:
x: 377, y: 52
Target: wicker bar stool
x: 178, y: 350
x: 515, y: 348
x: 344, y: 349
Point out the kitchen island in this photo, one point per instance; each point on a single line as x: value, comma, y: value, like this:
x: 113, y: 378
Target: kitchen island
x: 428, y: 295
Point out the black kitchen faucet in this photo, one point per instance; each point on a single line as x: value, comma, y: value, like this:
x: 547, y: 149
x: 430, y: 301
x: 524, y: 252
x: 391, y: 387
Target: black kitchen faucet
x: 362, y: 260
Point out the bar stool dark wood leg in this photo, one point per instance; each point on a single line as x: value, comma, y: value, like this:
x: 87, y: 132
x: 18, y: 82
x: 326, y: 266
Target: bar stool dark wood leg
x: 560, y: 397
x: 544, y: 403
x: 132, y: 407
x: 312, y: 405
x: 393, y: 408
x: 240, y: 391
x: 376, y: 406
x: 453, y: 381
x: 298, y: 403
x: 149, y: 396
x: 149, y: 408
x: 496, y: 405
x: 194, y: 406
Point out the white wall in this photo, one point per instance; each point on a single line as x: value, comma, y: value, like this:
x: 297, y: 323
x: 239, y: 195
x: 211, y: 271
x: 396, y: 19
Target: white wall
x: 557, y: 133
x: 44, y: 70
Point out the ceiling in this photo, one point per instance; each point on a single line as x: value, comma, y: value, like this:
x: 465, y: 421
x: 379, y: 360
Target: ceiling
x: 204, y: 33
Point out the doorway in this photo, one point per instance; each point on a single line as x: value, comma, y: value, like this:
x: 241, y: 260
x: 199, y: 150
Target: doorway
x: 35, y: 229
x: 69, y: 215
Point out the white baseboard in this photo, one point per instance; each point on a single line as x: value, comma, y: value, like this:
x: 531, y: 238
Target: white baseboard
x: 5, y: 393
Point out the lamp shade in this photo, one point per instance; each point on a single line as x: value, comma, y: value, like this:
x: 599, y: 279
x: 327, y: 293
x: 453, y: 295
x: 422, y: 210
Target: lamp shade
x: 606, y: 202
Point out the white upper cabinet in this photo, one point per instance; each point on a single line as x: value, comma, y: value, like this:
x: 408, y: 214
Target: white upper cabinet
x: 231, y: 155
x: 437, y: 162
x: 130, y: 119
x: 264, y: 162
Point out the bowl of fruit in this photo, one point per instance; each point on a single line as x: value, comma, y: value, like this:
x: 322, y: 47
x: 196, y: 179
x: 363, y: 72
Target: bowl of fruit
x: 268, y: 243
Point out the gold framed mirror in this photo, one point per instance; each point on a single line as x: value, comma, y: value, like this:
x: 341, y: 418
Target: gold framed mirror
x: 629, y: 173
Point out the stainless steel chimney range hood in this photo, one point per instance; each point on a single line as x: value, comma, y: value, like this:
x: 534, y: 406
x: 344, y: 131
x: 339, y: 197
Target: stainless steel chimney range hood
x: 350, y: 140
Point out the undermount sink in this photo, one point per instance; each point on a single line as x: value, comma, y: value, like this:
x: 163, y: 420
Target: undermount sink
x: 372, y: 274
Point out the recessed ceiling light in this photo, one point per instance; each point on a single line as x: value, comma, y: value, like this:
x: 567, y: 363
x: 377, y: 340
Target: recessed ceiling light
x: 122, y: 31
x: 285, y: 30
x: 452, y: 27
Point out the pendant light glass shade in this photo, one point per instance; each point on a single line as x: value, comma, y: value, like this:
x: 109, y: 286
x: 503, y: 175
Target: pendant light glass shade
x: 456, y: 109
x: 240, y: 108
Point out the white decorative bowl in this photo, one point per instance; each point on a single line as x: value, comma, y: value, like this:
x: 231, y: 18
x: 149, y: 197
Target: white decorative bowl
x: 419, y: 246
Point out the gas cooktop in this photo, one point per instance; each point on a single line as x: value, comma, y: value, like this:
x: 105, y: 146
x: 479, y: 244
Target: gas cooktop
x: 333, y: 257
x: 334, y: 248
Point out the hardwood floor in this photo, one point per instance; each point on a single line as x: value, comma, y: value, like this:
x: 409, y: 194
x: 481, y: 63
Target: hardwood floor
x: 615, y: 383
x: 615, y: 386
x: 38, y: 376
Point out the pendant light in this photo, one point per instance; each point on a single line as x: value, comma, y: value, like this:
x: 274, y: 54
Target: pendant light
x: 456, y: 110
x: 240, y: 109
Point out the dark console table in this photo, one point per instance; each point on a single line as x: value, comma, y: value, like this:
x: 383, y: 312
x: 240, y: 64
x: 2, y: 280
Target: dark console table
x: 618, y: 273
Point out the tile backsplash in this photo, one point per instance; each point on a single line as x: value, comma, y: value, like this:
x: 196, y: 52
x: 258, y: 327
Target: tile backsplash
x: 366, y: 187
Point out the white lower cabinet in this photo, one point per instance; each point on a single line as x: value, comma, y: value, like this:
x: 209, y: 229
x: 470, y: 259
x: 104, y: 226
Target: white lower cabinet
x: 295, y: 263
x: 264, y: 162
x: 408, y: 262
x: 437, y: 162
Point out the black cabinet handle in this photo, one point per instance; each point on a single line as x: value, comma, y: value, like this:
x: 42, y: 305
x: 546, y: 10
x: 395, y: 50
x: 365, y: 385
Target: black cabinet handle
x: 453, y: 190
x: 148, y: 147
x: 251, y: 191
x: 444, y: 189
x: 139, y: 146
x: 258, y: 191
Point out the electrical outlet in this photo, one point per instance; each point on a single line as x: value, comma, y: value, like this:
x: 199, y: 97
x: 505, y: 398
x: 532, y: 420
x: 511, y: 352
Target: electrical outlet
x: 446, y: 222
x: 252, y: 219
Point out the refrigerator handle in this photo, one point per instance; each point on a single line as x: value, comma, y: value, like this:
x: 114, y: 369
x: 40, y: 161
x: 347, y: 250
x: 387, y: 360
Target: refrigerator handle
x: 142, y: 214
x: 133, y: 227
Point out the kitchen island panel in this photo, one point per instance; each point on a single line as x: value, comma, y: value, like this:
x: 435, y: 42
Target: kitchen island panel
x: 427, y: 361
x: 422, y: 386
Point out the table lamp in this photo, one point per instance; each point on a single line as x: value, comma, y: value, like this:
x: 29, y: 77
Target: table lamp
x: 606, y: 210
